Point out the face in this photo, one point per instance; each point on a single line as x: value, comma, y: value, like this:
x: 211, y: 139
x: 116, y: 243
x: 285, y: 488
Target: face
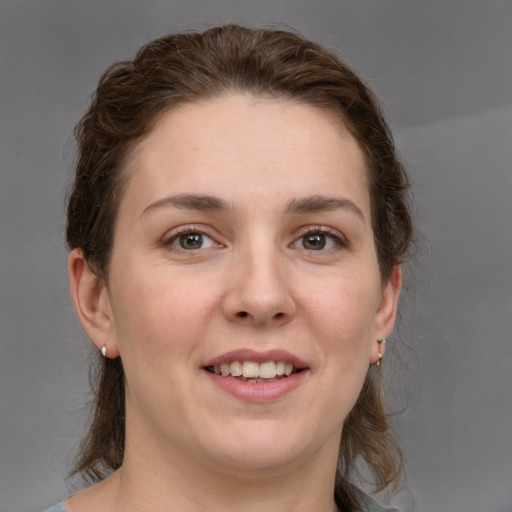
x: 244, y: 252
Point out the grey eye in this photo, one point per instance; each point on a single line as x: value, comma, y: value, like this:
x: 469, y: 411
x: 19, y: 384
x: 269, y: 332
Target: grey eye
x: 314, y: 242
x: 193, y: 241
x: 318, y: 241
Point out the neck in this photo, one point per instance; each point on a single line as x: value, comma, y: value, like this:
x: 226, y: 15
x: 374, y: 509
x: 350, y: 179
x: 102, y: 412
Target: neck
x: 141, y: 484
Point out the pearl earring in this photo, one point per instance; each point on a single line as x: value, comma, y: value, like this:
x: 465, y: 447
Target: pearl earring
x: 104, y: 351
x: 381, y: 342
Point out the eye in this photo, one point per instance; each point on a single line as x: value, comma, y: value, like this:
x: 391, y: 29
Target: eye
x: 314, y: 242
x: 318, y: 240
x: 192, y: 241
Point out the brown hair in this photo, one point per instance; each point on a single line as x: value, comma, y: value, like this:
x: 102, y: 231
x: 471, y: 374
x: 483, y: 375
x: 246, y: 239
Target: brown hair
x: 188, y: 67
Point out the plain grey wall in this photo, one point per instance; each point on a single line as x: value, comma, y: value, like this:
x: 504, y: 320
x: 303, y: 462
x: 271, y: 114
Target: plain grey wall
x: 443, y: 69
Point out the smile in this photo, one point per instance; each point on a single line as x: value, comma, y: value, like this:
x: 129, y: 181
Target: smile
x: 251, y: 371
x: 257, y: 377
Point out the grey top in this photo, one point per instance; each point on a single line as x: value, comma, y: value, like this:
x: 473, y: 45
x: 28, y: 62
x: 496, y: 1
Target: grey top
x: 367, y: 502
x: 58, y: 508
x: 371, y: 505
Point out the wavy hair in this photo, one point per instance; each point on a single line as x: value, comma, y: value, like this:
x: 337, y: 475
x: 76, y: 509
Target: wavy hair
x: 188, y: 67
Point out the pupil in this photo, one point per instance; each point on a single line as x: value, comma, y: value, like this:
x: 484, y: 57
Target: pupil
x: 314, y: 242
x: 191, y: 241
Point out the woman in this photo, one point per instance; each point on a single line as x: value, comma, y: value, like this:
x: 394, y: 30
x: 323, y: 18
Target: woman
x: 236, y: 227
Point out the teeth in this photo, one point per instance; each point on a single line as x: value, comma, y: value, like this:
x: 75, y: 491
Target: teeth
x: 236, y: 369
x: 253, y: 370
x: 268, y: 370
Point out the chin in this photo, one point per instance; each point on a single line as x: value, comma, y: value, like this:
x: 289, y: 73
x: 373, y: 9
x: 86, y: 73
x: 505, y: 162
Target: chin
x: 248, y: 462
x: 264, y: 447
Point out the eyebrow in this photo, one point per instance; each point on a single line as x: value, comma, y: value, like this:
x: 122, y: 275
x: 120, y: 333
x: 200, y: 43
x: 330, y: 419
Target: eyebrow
x: 207, y: 203
x: 199, y: 202
x: 315, y: 203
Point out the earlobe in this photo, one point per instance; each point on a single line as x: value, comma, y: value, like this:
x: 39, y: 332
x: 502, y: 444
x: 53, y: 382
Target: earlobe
x: 92, y: 303
x: 386, y: 313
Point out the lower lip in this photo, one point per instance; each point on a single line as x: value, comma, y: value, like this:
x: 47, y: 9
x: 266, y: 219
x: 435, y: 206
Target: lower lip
x: 258, y: 391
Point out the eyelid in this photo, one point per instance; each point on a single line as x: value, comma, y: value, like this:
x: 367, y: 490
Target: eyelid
x: 172, y: 235
x: 338, y: 237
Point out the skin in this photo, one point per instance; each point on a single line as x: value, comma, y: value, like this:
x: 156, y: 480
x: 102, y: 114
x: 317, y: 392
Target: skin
x: 255, y: 283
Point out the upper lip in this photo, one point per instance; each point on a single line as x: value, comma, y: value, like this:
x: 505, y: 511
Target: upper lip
x: 246, y: 354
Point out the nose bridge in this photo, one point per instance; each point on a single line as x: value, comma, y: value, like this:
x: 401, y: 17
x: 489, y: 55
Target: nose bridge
x: 261, y: 292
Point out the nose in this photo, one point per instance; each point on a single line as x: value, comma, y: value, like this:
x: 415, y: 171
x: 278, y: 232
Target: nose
x: 260, y: 291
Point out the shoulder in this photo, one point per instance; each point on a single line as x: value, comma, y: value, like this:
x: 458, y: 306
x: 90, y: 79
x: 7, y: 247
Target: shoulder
x: 57, y: 508
x: 370, y: 505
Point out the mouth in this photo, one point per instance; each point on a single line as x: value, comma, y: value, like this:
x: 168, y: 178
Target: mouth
x: 257, y: 377
x: 254, y: 372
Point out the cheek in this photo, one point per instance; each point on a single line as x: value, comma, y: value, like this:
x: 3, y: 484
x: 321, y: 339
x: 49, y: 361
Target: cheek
x: 346, y: 309
x: 155, y: 310
x: 341, y: 321
x: 160, y: 320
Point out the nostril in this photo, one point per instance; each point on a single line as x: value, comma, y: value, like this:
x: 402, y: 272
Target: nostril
x: 278, y: 315
x: 243, y: 314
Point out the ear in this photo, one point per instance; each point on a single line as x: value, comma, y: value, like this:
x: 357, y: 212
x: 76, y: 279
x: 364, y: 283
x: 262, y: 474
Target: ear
x: 386, y: 312
x: 92, y: 303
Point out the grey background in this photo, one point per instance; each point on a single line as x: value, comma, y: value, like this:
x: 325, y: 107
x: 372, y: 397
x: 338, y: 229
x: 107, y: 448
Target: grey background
x: 443, y: 70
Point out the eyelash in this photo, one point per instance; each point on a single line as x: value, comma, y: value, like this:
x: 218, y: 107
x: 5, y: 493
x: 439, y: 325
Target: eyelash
x: 337, y: 238
x: 188, y: 230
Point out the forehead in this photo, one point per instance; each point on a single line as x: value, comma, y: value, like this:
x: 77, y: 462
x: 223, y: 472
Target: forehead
x: 239, y: 142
